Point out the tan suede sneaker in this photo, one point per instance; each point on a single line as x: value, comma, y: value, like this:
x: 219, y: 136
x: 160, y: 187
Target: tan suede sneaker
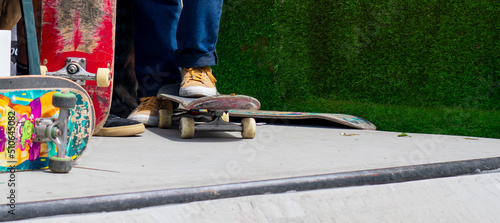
x: 197, y: 82
x: 147, y: 111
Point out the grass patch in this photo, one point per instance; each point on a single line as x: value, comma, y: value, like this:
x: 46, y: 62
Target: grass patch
x: 428, y: 66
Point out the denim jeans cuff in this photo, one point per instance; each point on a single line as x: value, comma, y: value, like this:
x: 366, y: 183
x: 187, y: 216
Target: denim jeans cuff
x: 196, y: 60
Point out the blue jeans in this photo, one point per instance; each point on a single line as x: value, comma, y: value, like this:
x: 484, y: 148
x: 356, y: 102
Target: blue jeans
x: 168, y: 36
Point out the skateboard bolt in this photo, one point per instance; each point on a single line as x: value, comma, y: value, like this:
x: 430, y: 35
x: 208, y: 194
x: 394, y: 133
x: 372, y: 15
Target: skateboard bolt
x: 56, y: 132
x: 72, y: 69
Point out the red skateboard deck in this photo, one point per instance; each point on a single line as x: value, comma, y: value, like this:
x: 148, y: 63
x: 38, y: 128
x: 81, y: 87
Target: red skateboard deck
x: 78, y: 43
x: 38, y: 125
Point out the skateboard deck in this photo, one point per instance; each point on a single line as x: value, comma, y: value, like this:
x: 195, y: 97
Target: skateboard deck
x: 342, y: 119
x: 220, y: 102
x: 210, y: 110
x: 78, y: 43
x: 37, y: 128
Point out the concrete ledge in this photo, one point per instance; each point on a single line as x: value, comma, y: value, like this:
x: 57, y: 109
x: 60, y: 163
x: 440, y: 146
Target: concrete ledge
x: 128, y: 201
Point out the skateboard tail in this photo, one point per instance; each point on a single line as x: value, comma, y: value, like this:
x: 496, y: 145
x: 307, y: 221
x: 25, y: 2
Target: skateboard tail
x: 70, y: 28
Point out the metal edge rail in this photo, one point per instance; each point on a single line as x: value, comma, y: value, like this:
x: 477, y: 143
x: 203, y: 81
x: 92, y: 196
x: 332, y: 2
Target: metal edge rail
x: 128, y: 201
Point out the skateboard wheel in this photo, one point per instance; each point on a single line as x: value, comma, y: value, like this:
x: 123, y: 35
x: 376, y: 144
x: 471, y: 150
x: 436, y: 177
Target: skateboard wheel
x: 64, y: 100
x: 249, y: 128
x: 60, y: 164
x: 43, y: 70
x: 225, y: 117
x: 165, y: 118
x: 186, y: 127
x: 102, y: 77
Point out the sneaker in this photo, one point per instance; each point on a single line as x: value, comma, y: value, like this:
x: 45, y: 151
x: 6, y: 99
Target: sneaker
x: 116, y: 126
x: 197, y: 82
x: 147, y: 111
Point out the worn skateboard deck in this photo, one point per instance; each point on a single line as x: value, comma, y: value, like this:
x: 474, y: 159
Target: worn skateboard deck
x: 210, y: 110
x: 81, y: 33
x: 342, y: 119
x: 24, y: 100
x: 219, y: 102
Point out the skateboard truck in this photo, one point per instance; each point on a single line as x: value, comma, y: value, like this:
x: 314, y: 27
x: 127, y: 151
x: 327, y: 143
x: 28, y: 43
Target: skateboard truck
x: 218, y: 124
x: 187, y: 126
x: 75, y: 69
x: 56, y: 130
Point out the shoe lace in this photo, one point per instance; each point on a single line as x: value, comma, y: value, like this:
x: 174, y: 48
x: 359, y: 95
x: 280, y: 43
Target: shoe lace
x: 148, y: 103
x: 198, y: 76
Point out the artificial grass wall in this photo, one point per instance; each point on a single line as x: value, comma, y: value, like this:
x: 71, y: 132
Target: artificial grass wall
x: 426, y: 53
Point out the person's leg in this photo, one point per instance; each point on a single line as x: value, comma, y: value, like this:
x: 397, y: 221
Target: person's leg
x: 155, y: 24
x: 124, y: 98
x: 197, y: 35
x: 124, y: 80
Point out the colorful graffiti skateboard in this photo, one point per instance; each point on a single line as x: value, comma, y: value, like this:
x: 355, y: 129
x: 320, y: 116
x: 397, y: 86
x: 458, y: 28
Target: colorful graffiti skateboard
x: 78, y: 43
x: 345, y: 120
x: 44, y: 122
x: 207, y: 110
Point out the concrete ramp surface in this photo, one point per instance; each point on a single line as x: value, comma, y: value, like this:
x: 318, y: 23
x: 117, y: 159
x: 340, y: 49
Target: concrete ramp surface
x: 286, y: 174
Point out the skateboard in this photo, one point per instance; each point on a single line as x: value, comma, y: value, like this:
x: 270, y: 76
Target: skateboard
x: 209, y: 112
x: 44, y: 122
x: 342, y: 119
x: 78, y: 43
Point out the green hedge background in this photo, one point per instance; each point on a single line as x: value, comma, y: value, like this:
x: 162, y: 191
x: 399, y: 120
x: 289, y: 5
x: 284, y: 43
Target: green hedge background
x: 429, y: 66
